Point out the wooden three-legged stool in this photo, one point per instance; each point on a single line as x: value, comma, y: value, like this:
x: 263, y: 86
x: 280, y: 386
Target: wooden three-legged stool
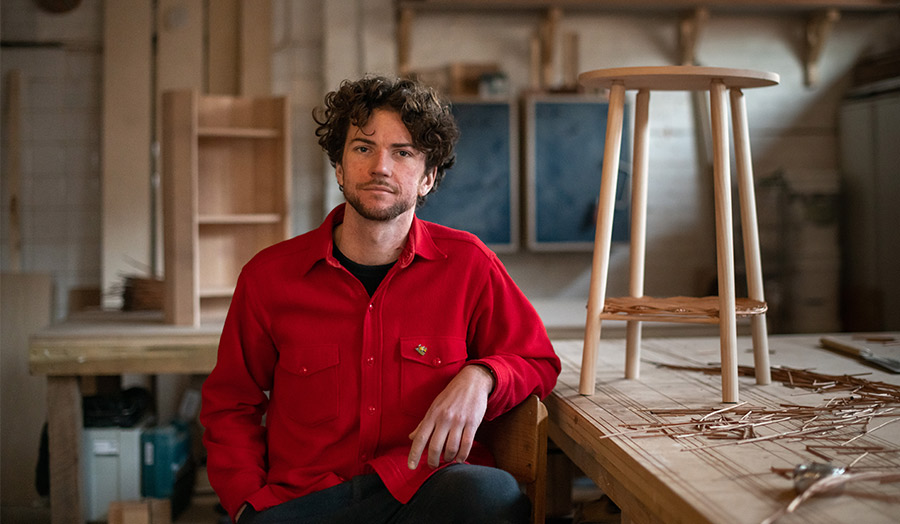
x: 723, y: 309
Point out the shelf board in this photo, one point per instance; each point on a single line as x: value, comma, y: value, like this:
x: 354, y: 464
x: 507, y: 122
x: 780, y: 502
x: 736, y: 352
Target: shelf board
x: 691, y: 310
x: 238, y: 132
x: 226, y: 219
x: 652, y: 5
x: 216, y: 292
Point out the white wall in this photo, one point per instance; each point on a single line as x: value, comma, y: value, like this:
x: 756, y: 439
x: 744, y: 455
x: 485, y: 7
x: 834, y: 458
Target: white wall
x: 792, y: 126
x: 60, y: 178
x: 317, y: 43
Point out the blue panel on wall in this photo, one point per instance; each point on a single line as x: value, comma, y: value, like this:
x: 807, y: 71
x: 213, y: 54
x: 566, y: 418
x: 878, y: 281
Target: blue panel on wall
x: 567, y: 143
x: 479, y: 193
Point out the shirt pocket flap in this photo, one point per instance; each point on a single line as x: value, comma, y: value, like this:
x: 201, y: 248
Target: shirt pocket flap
x: 308, y: 360
x: 433, y: 352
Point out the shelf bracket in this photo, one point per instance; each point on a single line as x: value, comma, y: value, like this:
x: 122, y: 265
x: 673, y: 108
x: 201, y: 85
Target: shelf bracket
x: 548, y: 31
x: 689, y: 28
x: 818, y: 29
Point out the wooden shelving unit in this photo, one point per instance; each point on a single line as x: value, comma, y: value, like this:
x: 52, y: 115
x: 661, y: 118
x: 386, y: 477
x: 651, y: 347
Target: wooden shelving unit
x: 226, y: 180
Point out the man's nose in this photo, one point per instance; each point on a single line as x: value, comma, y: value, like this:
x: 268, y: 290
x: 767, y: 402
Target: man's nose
x: 382, y: 163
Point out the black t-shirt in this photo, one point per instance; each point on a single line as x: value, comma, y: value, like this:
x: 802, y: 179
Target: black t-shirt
x: 370, y: 276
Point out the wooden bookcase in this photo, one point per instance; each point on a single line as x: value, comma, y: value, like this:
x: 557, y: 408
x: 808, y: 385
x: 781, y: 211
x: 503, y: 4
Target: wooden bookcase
x: 226, y: 178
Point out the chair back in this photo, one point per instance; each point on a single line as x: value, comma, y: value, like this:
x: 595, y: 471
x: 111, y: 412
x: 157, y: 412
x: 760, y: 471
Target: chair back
x: 518, y: 441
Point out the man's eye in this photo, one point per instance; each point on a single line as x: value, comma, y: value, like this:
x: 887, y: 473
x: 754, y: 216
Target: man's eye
x: 404, y: 153
x: 362, y: 149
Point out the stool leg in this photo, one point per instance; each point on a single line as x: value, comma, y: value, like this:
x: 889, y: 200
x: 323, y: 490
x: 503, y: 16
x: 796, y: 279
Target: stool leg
x: 602, y: 237
x: 750, y: 228
x: 638, y: 228
x: 724, y: 242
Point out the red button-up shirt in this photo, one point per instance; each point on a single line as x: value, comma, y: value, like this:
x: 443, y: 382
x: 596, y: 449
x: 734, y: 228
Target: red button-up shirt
x: 343, y: 378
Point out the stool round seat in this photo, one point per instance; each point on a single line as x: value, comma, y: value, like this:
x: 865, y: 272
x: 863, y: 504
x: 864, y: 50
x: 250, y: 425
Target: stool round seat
x: 677, y: 78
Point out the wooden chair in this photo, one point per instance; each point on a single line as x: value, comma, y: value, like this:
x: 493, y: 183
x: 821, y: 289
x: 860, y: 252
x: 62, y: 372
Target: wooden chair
x: 518, y: 441
x: 723, y: 309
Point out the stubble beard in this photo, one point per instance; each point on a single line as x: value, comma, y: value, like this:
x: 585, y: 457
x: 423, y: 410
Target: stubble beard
x: 378, y: 214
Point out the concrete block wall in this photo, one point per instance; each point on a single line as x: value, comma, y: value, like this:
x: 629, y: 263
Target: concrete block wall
x: 318, y: 43
x: 61, y: 65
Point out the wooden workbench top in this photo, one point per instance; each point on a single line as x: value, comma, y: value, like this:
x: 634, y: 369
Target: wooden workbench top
x: 106, y: 343
x: 696, y: 478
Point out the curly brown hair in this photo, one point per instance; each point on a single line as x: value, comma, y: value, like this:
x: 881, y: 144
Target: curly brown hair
x: 426, y: 116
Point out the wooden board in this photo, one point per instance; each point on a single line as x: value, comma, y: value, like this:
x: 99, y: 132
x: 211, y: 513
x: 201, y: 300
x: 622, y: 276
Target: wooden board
x: 26, y: 307
x: 116, y: 343
x: 697, y: 479
x: 127, y: 130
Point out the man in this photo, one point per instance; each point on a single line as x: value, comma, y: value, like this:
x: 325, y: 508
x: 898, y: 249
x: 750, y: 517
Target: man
x: 374, y: 345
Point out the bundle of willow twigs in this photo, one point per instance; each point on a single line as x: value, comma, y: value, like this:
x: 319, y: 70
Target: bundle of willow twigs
x: 817, y: 382
x: 864, y: 407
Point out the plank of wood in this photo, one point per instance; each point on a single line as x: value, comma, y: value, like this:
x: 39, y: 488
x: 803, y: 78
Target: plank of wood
x: 14, y: 167
x: 255, y: 48
x: 127, y: 130
x: 27, y: 300
x: 224, y: 53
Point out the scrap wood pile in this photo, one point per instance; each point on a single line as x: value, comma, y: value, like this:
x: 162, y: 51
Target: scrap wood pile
x: 855, y: 408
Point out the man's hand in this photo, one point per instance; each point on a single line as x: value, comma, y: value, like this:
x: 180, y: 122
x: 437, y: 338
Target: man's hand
x: 450, y: 424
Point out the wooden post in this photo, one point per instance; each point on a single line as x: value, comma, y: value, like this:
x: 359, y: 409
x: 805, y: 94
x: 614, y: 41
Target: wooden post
x: 64, y: 438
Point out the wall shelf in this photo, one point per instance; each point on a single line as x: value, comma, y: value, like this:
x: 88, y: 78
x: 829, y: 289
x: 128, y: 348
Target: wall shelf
x: 818, y: 18
x: 655, y: 5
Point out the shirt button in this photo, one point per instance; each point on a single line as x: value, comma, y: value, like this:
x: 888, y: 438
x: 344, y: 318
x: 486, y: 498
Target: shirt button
x: 436, y: 361
x: 370, y: 361
x: 363, y: 457
x: 371, y: 307
x: 372, y: 410
x: 303, y: 370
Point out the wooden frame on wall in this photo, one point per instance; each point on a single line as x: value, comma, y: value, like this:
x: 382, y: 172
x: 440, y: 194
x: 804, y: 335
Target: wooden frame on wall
x: 480, y: 193
x: 563, y: 156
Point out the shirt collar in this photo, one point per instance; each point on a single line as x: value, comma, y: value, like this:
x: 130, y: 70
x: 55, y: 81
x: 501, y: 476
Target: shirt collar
x: 420, y: 243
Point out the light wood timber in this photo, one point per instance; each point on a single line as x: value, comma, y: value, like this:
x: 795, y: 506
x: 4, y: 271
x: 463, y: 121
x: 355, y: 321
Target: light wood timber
x: 255, y: 47
x: 127, y: 136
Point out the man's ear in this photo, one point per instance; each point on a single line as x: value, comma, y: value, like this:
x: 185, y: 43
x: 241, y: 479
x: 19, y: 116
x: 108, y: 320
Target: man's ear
x: 427, y: 181
x: 339, y: 174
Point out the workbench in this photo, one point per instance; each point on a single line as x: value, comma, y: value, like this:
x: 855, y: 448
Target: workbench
x: 616, y: 436
x: 102, y: 344
x: 652, y: 478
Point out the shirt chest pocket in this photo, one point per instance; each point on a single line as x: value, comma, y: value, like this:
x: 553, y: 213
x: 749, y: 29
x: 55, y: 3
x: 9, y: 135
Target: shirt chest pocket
x: 307, y: 385
x: 427, y: 364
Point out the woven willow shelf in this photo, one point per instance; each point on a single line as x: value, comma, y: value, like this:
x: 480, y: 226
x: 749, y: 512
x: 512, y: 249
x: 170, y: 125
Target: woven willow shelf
x: 695, y: 310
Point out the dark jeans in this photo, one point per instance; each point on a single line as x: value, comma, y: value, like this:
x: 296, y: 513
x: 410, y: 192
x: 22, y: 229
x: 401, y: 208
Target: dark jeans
x: 457, y: 494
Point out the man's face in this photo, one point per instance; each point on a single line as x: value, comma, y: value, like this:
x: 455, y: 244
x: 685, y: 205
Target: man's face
x: 381, y: 172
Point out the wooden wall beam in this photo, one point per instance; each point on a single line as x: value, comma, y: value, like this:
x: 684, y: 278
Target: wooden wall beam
x: 127, y: 130
x: 255, y: 47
